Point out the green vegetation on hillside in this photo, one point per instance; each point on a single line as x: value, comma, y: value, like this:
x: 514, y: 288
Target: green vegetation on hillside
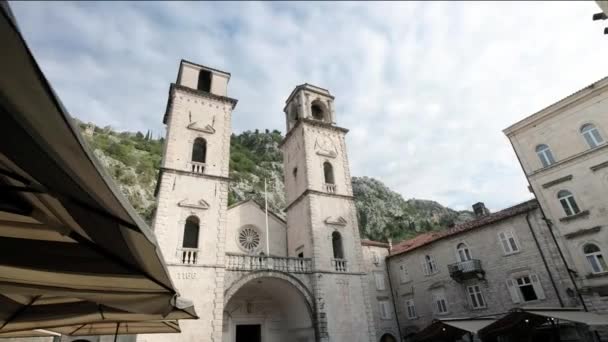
x: 133, y: 160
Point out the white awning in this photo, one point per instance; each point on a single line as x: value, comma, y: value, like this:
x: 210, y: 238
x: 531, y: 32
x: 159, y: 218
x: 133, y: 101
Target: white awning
x: 470, y: 325
x: 589, y: 318
x: 73, y: 251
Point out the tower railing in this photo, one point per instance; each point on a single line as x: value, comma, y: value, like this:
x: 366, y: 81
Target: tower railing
x: 243, y: 262
x: 196, y: 167
x: 187, y: 256
x: 330, y: 188
x: 339, y: 265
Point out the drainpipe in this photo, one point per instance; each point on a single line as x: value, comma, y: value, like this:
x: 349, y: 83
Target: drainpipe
x: 390, y: 286
x: 542, y: 255
x: 549, y: 225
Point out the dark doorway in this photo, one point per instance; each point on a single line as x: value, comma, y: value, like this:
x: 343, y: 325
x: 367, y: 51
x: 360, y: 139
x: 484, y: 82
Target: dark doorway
x: 248, y: 333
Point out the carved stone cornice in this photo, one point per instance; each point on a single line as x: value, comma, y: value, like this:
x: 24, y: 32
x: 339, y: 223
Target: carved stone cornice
x: 205, y: 129
x: 200, y: 204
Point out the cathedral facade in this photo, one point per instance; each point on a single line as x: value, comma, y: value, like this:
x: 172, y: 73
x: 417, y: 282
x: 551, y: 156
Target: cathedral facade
x: 252, y: 275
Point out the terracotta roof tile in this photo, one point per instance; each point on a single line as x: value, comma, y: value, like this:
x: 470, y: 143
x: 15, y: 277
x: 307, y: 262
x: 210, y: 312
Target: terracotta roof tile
x: 366, y: 242
x: 427, y: 238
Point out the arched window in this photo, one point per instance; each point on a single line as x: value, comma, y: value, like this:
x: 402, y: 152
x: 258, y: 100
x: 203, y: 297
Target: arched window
x: 293, y: 112
x: 328, y: 171
x: 545, y: 155
x: 568, y: 203
x: 388, y: 338
x: 592, y: 135
x: 191, y: 229
x: 429, y: 265
x: 464, y: 254
x: 204, y: 80
x: 199, y: 150
x: 319, y: 110
x: 336, y: 241
x: 595, y: 258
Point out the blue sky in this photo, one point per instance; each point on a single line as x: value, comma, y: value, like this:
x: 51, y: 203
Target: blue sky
x: 425, y: 88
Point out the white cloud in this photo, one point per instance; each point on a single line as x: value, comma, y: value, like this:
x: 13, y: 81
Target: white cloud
x: 426, y: 88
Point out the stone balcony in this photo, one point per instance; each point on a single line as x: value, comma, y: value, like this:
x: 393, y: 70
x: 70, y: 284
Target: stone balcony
x: 340, y: 265
x: 466, y: 270
x: 243, y: 262
x: 330, y: 188
x: 187, y: 256
x: 196, y: 167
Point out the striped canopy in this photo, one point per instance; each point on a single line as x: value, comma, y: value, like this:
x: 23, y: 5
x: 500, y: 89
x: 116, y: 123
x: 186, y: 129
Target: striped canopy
x: 72, y: 249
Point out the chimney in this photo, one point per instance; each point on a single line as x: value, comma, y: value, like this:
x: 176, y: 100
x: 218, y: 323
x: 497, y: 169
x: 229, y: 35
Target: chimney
x: 480, y: 209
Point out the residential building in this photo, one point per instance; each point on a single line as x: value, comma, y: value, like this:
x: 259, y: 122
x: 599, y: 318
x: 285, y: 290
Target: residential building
x: 564, y: 155
x: 483, y: 267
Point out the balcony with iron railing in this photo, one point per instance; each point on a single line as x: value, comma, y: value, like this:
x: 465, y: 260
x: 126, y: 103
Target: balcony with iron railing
x: 466, y: 270
x: 243, y: 262
x: 187, y: 256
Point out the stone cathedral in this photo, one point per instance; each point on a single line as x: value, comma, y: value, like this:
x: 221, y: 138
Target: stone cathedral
x: 252, y: 276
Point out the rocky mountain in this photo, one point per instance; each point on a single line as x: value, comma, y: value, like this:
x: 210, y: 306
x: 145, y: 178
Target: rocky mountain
x: 133, y: 159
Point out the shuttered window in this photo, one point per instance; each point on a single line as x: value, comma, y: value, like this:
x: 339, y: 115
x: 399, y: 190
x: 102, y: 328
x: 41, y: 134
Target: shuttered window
x: 525, y: 288
x: 380, y: 285
x: 411, y: 309
x: 385, y: 309
x: 403, y: 274
x: 508, y: 242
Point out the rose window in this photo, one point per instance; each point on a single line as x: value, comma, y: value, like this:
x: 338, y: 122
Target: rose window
x: 249, y: 238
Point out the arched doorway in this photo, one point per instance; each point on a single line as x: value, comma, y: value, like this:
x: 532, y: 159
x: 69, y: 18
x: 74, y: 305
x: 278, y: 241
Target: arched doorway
x: 266, y: 308
x: 388, y: 338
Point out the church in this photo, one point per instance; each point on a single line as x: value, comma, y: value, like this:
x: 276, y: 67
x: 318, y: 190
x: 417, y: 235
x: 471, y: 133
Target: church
x: 254, y: 276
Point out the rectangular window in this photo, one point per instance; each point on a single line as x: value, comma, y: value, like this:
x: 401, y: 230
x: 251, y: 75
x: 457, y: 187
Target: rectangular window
x: 380, y: 285
x: 508, y: 242
x: 429, y: 266
x: 385, y: 309
x: 476, y: 297
x: 525, y: 288
x: 403, y: 274
x: 411, y: 309
x: 440, y: 303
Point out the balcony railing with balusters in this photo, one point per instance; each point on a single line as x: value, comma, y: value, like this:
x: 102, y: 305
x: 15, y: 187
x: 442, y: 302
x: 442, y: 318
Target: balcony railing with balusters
x: 339, y: 265
x: 466, y: 270
x: 188, y: 256
x: 242, y: 262
x: 330, y: 188
x: 196, y: 167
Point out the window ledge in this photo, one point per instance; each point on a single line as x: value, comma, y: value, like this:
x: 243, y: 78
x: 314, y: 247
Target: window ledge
x: 582, y: 214
x: 479, y: 309
x: 512, y: 253
x: 557, y: 181
x: 582, y: 232
x: 567, y: 160
x: 596, y: 275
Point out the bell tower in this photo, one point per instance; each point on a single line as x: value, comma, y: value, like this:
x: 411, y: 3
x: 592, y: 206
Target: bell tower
x: 321, y: 215
x: 192, y: 194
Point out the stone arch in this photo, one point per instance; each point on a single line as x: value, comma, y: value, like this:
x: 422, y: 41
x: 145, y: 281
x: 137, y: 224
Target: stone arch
x: 388, y: 337
x: 319, y: 110
x: 295, y: 282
